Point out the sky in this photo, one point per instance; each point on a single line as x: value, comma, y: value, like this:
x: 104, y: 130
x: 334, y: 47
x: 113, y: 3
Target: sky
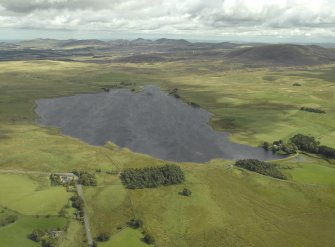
x: 218, y: 20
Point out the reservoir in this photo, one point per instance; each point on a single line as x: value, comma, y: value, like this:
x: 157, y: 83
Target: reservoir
x: 150, y: 122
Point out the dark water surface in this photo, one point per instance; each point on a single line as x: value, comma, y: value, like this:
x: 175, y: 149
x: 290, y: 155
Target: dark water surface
x: 149, y: 122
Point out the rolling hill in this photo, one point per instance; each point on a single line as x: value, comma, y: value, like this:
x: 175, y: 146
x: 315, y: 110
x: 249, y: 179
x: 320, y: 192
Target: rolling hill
x: 283, y: 55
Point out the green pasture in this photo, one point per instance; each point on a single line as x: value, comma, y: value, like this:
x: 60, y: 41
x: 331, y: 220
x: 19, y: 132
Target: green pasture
x: 75, y: 235
x: 15, y: 235
x: 31, y: 195
x: 108, y: 205
x: 308, y: 169
x: 126, y: 237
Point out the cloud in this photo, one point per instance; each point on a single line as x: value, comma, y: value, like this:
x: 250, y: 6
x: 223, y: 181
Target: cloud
x: 214, y: 17
x: 27, y: 6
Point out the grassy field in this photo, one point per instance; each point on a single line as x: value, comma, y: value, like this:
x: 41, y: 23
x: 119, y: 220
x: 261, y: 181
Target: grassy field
x: 36, y: 204
x: 228, y: 207
x: 31, y: 195
x: 75, y: 235
x: 307, y: 169
x: 15, y: 235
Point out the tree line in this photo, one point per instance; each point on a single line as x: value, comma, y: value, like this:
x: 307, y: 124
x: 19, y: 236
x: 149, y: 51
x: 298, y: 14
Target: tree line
x: 309, y: 144
x: 85, y: 178
x: 261, y: 167
x: 309, y: 109
x: 280, y: 147
x: 78, y: 204
x: 47, y: 238
x: 151, y: 177
x: 300, y: 142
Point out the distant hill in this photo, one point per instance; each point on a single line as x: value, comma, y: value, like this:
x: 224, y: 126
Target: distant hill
x: 5, y: 45
x: 142, y: 58
x: 165, y: 41
x: 150, y: 51
x: 211, y: 45
x: 283, y: 55
x: 41, y: 43
x: 84, y: 43
x: 141, y: 41
x: 61, y: 44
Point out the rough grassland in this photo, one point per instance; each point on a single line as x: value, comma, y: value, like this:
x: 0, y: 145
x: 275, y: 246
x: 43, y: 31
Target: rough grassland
x: 228, y: 206
x: 254, y: 105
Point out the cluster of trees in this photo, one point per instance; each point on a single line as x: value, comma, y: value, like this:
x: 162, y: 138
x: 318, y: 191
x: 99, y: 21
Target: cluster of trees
x: 309, y: 144
x: 78, y: 204
x: 305, y: 143
x: 85, y: 178
x: 309, y: 109
x: 261, y: 167
x: 152, y: 177
x: 44, y: 237
x: 300, y: 142
x: 281, y: 147
x: 8, y: 220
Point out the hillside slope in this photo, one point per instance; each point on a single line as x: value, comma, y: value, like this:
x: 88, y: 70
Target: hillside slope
x: 283, y: 54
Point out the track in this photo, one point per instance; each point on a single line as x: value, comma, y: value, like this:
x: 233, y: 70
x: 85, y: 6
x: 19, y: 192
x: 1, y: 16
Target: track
x: 86, y: 218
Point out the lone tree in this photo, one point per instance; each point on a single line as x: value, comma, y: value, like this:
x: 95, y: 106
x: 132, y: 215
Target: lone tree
x: 186, y: 192
x: 148, y: 239
x: 135, y: 223
x: 102, y: 237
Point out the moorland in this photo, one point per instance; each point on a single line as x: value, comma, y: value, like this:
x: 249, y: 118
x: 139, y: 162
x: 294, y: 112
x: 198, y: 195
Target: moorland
x: 254, y: 91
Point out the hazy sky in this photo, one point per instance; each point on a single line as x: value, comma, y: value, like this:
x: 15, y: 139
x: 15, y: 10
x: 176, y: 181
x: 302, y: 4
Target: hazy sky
x: 248, y: 20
